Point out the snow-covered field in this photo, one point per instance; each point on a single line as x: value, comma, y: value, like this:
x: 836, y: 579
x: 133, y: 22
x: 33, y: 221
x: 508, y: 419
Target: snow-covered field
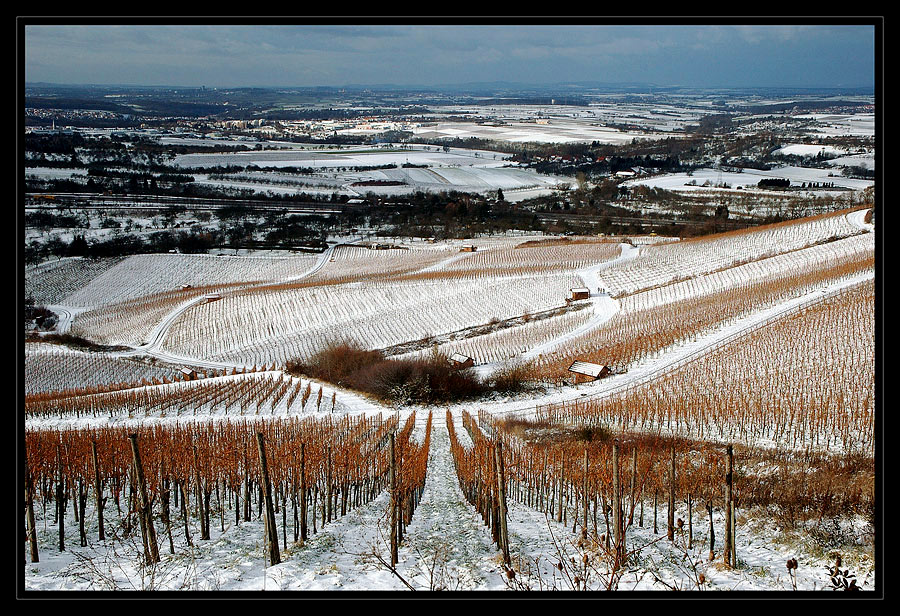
x: 551, y: 131
x: 837, y: 125
x: 709, y: 179
x: 481, y: 303
x: 435, y: 170
x: 276, y: 326
x: 341, y: 158
x: 142, y: 275
x: 664, y: 264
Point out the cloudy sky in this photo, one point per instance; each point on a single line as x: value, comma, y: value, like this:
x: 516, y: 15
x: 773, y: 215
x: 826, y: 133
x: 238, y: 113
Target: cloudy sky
x: 430, y: 55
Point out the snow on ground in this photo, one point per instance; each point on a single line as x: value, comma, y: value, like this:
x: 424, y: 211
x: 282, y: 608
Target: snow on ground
x: 663, y: 361
x: 804, y: 149
x: 557, y: 130
x: 358, y: 157
x: 480, y: 177
x: 857, y: 160
x: 841, y: 125
x: 858, y: 219
x: 539, y: 544
x: 447, y: 544
x: 603, y: 307
x: 53, y: 173
x: 446, y: 547
x: 748, y: 179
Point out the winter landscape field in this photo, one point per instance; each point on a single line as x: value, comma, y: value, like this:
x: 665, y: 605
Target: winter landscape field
x: 362, y: 310
x: 195, y: 379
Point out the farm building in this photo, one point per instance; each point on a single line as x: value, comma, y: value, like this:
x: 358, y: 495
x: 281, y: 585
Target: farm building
x: 468, y: 248
x: 188, y: 374
x: 211, y: 297
x: 580, y: 293
x: 586, y: 371
x: 461, y: 361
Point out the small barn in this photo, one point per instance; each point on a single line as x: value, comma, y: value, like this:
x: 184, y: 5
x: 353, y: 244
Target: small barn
x: 186, y: 286
x: 211, y: 297
x: 580, y: 293
x: 188, y: 374
x: 458, y: 360
x: 469, y: 248
x: 585, y: 371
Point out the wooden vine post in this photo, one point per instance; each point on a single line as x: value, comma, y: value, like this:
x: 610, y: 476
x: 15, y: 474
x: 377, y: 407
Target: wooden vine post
x: 98, y: 489
x: 204, y: 518
x: 559, y: 504
x: 670, y: 531
x: 584, y: 521
x: 729, y: 532
x: 393, y: 471
x: 633, y: 496
x: 328, y: 483
x: 271, y: 531
x: 617, y: 506
x: 184, y: 513
x: 492, y: 498
x: 60, y: 501
x: 690, y: 512
x: 401, y: 493
x: 151, y: 548
x: 31, y: 532
x: 501, y: 500
x: 303, y: 530
x: 166, y: 498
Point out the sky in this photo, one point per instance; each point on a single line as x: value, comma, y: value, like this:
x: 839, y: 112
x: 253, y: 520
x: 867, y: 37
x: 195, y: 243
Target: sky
x: 708, y: 55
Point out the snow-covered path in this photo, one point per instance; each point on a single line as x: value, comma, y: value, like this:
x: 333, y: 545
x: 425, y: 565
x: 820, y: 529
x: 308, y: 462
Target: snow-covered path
x: 603, y: 308
x: 446, y: 547
x: 858, y: 219
x: 666, y: 359
x: 443, y: 263
x: 151, y: 346
x: 66, y: 316
x: 447, y: 544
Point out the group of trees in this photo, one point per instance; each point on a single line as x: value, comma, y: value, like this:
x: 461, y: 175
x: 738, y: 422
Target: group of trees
x: 774, y: 183
x: 123, y: 244
x: 426, y: 380
x: 38, y: 317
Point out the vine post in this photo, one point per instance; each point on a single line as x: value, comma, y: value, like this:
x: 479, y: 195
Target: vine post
x: 151, y: 548
x: 271, y: 531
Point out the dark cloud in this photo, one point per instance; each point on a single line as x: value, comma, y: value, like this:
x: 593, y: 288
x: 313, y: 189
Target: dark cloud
x: 306, y: 55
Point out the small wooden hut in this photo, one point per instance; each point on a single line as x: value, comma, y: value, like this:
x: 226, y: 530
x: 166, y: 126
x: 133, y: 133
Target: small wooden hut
x: 459, y: 360
x: 586, y: 371
x: 579, y: 293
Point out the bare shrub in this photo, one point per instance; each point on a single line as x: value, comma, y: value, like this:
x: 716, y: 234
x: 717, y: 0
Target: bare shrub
x: 427, y: 380
x: 513, y: 378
